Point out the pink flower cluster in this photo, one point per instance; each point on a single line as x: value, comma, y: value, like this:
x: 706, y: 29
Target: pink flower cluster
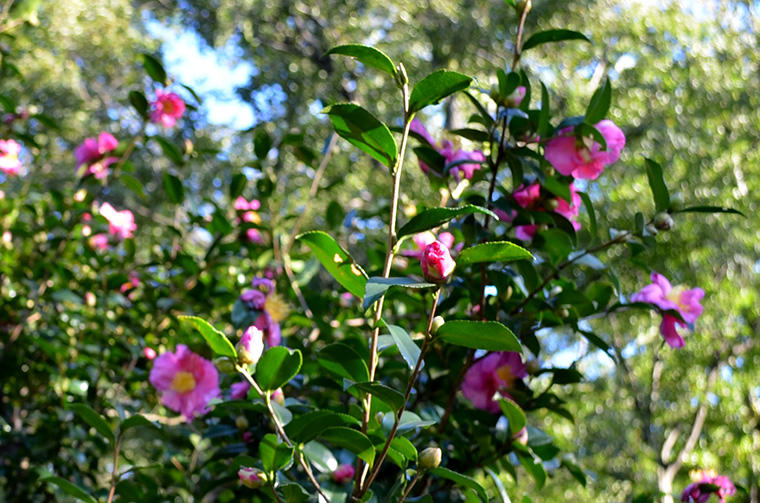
x: 121, y: 224
x: 496, y: 372
x: 247, y: 210
x: 271, y: 307
x: 91, y: 155
x: 167, y: 108
x: 704, y: 486
x: 455, y: 158
x: 530, y: 198
x: 9, y: 162
x: 187, y: 381
x: 686, y: 302
x: 585, y: 158
x: 343, y: 474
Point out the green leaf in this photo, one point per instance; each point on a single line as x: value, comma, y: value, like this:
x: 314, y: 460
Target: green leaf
x: 406, y: 346
x: 368, y: 56
x: 135, y: 421
x: 472, y: 134
x: 586, y: 130
x: 462, y: 480
x: 293, y: 493
x: 277, y: 366
x: 544, y: 126
x: 591, y: 214
x: 154, y: 68
x: 364, y: 131
x: 170, y: 150
x: 555, y: 243
x: 139, y: 103
x: 657, y: 184
x: 385, y: 393
x: 488, y: 335
x: 534, y: 467
x: 353, y: 440
x: 336, y: 260
x: 493, y: 251
x: 262, y: 144
x: 499, y: 485
x: 599, y: 104
x: 69, y: 488
x: 217, y: 341
x: 709, y: 209
x: 405, y: 447
x: 543, y: 37
x: 434, y: 217
x: 507, y: 82
x: 435, y: 87
x: 575, y: 471
x: 320, y: 456
x: 376, y: 287
x: 558, y: 188
x: 273, y: 453
x: 309, y: 426
x: 344, y: 361
x: 514, y: 414
x: 132, y: 184
x: 94, y: 419
x: 237, y: 185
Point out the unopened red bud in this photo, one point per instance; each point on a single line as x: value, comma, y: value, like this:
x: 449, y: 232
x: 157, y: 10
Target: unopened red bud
x: 251, y: 346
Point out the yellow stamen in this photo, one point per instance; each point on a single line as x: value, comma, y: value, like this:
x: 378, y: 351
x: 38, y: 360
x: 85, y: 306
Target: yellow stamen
x: 505, y: 374
x: 276, y: 307
x: 183, y: 382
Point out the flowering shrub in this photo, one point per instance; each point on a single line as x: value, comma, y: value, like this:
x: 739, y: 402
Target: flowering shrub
x: 291, y: 366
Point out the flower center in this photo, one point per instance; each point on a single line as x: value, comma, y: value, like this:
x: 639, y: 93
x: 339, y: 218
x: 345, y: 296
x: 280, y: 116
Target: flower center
x: 276, y: 307
x: 505, y: 374
x: 675, y: 296
x: 183, y: 382
x: 168, y: 107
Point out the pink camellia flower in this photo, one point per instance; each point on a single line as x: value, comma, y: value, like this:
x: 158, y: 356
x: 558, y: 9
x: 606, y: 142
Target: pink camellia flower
x: 251, y: 477
x: 241, y: 204
x: 251, y: 346
x: 703, y: 487
x: 187, y: 381
x: 514, y: 99
x: 272, y: 309
x: 121, y: 224
x: 343, y: 474
x: 422, y: 239
x: 9, y: 151
x: 663, y: 295
x: 254, y: 236
x: 437, y: 264
x: 92, y: 154
x: 451, y: 154
x: 529, y: 197
x: 239, y: 390
x: 99, y: 242
x: 132, y: 283
x: 166, y: 108
x: 584, y: 158
x: 495, y: 372
x: 149, y: 352
x: 278, y: 396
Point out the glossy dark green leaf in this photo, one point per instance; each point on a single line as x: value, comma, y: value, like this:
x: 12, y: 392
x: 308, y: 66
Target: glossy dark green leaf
x: 237, y: 185
x: 462, y: 480
x: 406, y: 346
x: 368, y: 56
x: 343, y: 361
x: 154, y: 68
x: 135, y: 421
x: 544, y: 126
x: 293, y: 493
x: 217, y: 341
x: 170, y: 150
x: 405, y: 447
x: 132, y: 184
x: 709, y: 209
x: 139, y: 103
x: 337, y: 261
x: 385, y: 393
x: 514, y: 414
x: 277, y: 366
x: 600, y: 103
x: 274, y: 453
x: 364, y: 131
x: 488, y: 335
x: 555, y: 243
x: 435, y: 87
x: 657, y: 184
x: 376, y: 287
x: 434, y: 217
x: 472, y: 134
x: 70, y: 489
x: 543, y: 37
x: 353, y: 440
x: 94, y: 419
x: 320, y: 456
x: 534, y: 467
x: 591, y: 214
x: 575, y: 471
x: 309, y: 426
x: 493, y: 251
x: 262, y: 144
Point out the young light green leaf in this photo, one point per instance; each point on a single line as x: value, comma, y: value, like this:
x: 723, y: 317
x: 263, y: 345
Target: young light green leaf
x: 434, y: 217
x: 70, y: 489
x: 462, y: 480
x: 409, y: 350
x: 342, y: 360
x: 514, y: 414
x: 435, y: 87
x: 364, y: 131
x: 493, y: 251
x: 353, y: 440
x: 336, y: 260
x: 488, y: 335
x: 273, y: 453
x: 277, y: 366
x: 599, y: 104
x: 543, y: 37
x: 376, y: 287
x: 385, y: 393
x: 657, y: 184
x: 217, y: 341
x: 94, y: 419
x: 368, y: 56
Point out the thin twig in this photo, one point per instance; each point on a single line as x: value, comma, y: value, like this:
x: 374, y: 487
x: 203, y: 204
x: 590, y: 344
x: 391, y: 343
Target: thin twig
x: 411, y: 486
x: 114, y: 471
x: 520, y: 28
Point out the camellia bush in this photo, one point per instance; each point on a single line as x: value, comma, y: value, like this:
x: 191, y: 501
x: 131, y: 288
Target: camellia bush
x: 207, y: 348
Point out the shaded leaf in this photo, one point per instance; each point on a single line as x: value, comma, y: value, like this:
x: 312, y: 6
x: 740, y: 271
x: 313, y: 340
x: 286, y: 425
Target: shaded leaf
x: 363, y: 130
x: 344, y: 361
x: 406, y: 346
x: 385, y: 393
x: 273, y: 453
x: 310, y: 425
x: 154, y: 68
x: 277, y: 366
x: 543, y: 37
x: 435, y: 87
x: 657, y: 184
x: 600, y: 103
x: 70, y: 489
x: 368, y: 56
x: 434, y: 217
x: 462, y: 480
x: 94, y: 419
x: 336, y: 260
x: 353, y: 440
x: 376, y: 287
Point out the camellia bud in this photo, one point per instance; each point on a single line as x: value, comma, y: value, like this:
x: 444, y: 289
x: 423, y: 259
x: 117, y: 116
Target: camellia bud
x: 241, y: 423
x: 379, y: 417
x: 430, y: 458
x: 563, y: 312
x: 149, y: 353
x: 437, y: 264
x: 343, y: 474
x: 552, y: 204
x: 251, y: 346
x: 663, y: 221
x: 532, y: 366
x: 224, y: 365
x: 438, y: 322
x: 521, y: 437
x: 278, y: 396
x: 251, y: 477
